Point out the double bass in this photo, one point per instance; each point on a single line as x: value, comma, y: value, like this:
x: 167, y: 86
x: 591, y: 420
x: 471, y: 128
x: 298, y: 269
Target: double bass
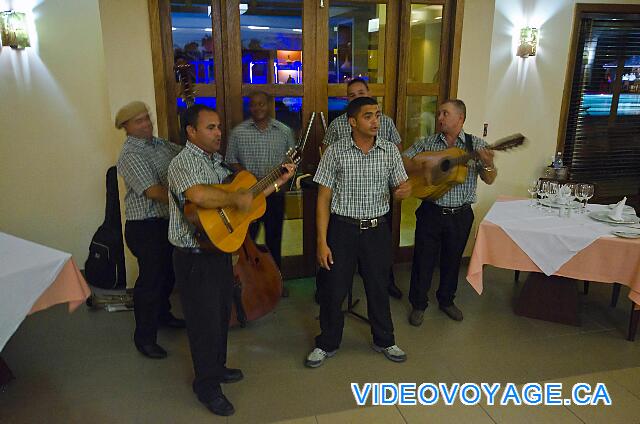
x: 257, y: 279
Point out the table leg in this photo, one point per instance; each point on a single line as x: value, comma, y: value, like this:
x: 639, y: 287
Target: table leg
x: 552, y: 298
x: 633, y: 322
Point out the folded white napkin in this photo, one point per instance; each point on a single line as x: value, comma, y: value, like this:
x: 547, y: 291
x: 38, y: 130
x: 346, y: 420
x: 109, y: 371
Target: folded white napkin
x: 616, y: 213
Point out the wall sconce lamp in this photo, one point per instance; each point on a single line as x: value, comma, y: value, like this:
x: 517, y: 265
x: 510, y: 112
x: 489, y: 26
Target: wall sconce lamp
x: 528, y: 42
x: 13, y: 29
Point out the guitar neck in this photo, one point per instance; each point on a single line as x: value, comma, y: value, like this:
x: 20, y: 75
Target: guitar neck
x: 470, y: 155
x: 271, y: 178
x: 461, y: 160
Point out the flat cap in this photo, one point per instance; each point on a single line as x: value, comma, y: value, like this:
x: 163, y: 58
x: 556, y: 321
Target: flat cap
x: 130, y: 110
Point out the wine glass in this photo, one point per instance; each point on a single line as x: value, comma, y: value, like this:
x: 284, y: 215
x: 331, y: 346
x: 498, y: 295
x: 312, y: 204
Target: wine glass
x: 579, y: 196
x: 533, y: 190
x: 587, y: 193
x: 543, y: 192
x: 572, y: 194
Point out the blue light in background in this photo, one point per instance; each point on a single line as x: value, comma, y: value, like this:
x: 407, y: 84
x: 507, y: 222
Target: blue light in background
x: 600, y: 104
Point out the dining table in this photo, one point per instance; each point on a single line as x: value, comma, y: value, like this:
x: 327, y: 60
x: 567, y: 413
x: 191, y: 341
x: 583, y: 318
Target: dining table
x: 34, y: 277
x: 555, y: 244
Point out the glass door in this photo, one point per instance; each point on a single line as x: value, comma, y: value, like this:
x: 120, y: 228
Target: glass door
x: 302, y: 53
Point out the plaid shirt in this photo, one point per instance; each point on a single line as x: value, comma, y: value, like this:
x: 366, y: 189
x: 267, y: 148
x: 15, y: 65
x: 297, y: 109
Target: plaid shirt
x: 460, y: 194
x: 191, y: 167
x: 143, y: 164
x: 339, y: 128
x: 259, y: 151
x: 360, y: 183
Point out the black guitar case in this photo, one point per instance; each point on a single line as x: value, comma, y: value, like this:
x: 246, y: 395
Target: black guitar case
x: 105, y: 266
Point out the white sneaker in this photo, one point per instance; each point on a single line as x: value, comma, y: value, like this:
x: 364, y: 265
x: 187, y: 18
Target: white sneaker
x: 393, y: 353
x: 317, y: 357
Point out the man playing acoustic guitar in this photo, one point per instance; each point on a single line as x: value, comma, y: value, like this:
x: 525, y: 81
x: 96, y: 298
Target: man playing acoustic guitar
x: 443, y: 225
x: 205, y: 277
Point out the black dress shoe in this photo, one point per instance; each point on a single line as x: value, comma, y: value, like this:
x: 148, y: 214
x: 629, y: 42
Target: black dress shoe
x: 152, y: 350
x: 231, y: 375
x: 219, y: 405
x: 171, y: 322
x: 394, y: 291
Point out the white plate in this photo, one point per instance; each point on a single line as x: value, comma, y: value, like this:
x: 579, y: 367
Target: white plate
x: 627, y: 233
x: 604, y: 217
x: 549, y: 203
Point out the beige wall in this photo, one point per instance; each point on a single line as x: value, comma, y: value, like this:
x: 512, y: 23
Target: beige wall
x: 127, y: 51
x: 59, y: 99
x: 56, y: 140
x: 513, y: 94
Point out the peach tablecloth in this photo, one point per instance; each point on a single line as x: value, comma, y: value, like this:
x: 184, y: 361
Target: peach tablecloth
x: 68, y: 287
x: 32, y: 278
x: 607, y: 260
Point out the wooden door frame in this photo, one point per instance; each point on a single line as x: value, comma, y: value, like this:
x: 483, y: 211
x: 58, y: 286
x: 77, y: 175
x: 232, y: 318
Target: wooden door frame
x: 167, y: 90
x: 315, y: 91
x: 447, y: 87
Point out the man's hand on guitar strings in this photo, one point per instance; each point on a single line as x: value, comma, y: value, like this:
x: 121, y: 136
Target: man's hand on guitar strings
x: 242, y: 200
x: 486, y: 157
x: 290, y: 170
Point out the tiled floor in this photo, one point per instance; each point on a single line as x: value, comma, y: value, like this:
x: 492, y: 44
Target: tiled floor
x: 83, y: 367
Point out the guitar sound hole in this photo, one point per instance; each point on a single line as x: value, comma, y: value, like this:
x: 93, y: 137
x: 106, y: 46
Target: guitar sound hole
x: 445, y: 165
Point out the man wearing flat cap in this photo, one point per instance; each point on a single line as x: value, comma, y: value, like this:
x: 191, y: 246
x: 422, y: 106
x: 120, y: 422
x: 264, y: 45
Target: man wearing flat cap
x: 143, y: 164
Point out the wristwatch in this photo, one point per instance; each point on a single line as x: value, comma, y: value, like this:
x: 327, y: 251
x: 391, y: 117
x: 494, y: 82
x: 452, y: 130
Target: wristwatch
x: 275, y: 186
x: 488, y: 168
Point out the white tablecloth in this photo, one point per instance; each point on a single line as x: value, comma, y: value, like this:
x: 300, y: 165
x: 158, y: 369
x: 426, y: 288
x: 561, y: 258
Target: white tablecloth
x: 550, y: 241
x: 26, y: 270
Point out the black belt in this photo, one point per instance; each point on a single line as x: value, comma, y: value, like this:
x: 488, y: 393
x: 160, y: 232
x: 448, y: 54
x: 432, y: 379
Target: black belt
x: 191, y: 250
x: 363, y: 224
x: 445, y: 210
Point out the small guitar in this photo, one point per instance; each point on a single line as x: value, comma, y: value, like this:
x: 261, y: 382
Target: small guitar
x: 226, y: 228
x: 442, y: 170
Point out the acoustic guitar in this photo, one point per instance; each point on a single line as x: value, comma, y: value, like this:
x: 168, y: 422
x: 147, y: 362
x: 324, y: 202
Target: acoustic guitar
x: 444, y: 169
x: 225, y: 229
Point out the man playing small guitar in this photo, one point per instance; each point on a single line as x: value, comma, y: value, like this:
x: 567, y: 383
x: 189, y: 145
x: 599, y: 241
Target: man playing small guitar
x: 443, y: 224
x: 205, y: 277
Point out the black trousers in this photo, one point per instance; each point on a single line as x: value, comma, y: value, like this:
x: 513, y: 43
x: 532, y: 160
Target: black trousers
x: 147, y: 240
x: 273, y: 219
x: 438, y: 235
x: 371, y: 251
x: 206, y: 287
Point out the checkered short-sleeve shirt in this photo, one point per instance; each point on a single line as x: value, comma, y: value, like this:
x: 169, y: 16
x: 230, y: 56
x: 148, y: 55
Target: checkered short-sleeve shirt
x: 191, y: 167
x: 142, y: 164
x: 460, y: 194
x: 339, y: 128
x: 259, y: 151
x: 361, y: 183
